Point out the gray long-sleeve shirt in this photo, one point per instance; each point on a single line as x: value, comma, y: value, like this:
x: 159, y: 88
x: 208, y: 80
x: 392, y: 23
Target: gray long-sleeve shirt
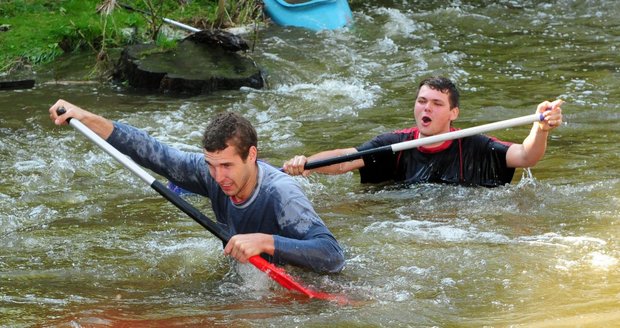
x: 277, y: 206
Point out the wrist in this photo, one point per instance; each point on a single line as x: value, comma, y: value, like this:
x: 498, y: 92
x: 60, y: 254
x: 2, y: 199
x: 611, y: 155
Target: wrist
x: 269, y: 245
x: 545, y: 127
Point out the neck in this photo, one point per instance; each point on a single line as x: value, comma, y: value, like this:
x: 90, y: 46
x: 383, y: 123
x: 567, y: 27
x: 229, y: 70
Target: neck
x: 441, y: 144
x: 236, y: 200
x: 248, y: 188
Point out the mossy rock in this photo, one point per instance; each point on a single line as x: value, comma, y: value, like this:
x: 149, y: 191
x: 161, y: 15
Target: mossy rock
x: 191, y: 68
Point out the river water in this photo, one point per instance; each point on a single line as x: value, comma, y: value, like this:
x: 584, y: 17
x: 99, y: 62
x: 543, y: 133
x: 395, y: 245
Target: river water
x: 86, y: 244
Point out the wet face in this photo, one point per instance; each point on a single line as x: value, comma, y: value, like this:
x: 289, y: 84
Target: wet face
x: 432, y: 112
x: 236, y: 177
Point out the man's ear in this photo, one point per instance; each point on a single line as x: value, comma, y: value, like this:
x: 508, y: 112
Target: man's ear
x: 455, y: 113
x: 253, y: 153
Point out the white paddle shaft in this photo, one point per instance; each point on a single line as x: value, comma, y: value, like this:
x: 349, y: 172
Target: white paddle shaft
x: 126, y: 161
x: 428, y: 140
x: 517, y: 121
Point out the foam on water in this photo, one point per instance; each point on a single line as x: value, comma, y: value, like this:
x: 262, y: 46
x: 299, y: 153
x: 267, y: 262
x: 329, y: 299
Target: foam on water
x: 30, y: 165
x: 602, y: 261
x: 575, y: 251
x: 327, y: 91
x: 555, y: 239
x: 436, y: 231
x: 398, y: 23
x: 171, y: 246
x: 252, y: 278
x: 16, y: 218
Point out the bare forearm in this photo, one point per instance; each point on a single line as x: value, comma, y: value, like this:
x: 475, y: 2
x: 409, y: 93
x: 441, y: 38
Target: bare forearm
x: 534, y: 145
x: 98, y: 124
x: 296, y: 165
x: 339, y: 168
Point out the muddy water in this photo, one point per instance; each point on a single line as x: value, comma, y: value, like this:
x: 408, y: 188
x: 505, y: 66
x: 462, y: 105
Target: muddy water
x: 84, y: 243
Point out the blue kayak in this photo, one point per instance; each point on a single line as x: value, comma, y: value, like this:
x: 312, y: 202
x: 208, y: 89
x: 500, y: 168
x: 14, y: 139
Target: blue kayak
x: 312, y: 14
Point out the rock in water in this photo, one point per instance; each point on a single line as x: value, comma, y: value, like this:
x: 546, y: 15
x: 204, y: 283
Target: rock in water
x: 198, y: 65
x: 223, y: 39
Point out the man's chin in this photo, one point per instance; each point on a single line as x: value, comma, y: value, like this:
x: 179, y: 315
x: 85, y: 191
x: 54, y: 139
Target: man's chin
x: 425, y: 133
x: 228, y: 191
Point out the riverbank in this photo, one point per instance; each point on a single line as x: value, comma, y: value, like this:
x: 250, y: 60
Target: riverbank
x: 36, y: 32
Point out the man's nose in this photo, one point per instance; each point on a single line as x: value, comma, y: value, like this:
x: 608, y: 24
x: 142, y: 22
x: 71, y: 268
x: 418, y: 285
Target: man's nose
x: 217, y: 175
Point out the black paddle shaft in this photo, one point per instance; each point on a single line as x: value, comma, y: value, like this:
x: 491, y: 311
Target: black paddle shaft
x: 191, y: 211
x: 346, y: 158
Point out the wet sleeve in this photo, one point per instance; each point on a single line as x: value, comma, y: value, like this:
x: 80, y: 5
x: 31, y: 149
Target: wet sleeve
x: 498, y: 172
x: 306, y: 241
x: 378, y: 167
x: 485, y: 162
x: 185, y: 169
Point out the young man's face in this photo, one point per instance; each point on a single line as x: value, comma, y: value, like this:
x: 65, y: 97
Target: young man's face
x: 432, y: 111
x: 235, y: 176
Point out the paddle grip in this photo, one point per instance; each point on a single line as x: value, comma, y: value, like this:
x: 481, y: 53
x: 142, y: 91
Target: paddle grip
x: 61, y: 110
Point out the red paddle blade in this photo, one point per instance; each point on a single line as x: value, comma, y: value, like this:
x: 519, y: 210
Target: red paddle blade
x: 286, y: 281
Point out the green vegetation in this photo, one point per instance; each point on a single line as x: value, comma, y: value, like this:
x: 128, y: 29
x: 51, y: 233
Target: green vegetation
x: 34, y: 32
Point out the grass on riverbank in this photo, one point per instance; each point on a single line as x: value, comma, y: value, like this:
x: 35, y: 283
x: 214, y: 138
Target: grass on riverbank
x: 37, y: 32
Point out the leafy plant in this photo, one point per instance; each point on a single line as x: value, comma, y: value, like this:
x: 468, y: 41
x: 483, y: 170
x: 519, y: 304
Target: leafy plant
x: 41, y: 30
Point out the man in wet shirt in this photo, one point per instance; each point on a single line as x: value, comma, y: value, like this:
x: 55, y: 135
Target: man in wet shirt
x: 264, y: 209
x: 478, y: 160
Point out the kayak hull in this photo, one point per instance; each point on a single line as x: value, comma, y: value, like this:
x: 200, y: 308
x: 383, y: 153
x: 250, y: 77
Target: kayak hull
x: 313, y: 14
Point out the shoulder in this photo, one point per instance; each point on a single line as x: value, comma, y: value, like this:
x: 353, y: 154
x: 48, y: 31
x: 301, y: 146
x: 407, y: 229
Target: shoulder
x: 282, y: 190
x: 482, y: 139
x: 408, y: 131
x: 122, y: 131
x: 274, y: 180
x: 399, y: 135
x: 389, y: 138
x: 484, y: 145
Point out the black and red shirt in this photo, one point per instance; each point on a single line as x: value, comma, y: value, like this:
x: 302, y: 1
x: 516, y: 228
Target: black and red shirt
x: 473, y: 161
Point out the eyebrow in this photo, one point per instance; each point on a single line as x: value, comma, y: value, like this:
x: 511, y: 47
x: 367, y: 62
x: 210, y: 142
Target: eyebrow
x: 430, y: 99
x: 222, y: 163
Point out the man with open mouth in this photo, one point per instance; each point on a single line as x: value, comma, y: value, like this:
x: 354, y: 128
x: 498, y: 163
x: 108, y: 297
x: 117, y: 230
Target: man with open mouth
x: 477, y: 160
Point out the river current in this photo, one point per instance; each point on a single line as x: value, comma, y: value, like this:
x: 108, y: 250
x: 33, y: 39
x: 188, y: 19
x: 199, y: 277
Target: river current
x: 84, y: 243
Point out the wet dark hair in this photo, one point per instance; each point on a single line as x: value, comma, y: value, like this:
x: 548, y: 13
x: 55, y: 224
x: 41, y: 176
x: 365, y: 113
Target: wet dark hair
x: 444, y: 85
x: 230, y: 129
